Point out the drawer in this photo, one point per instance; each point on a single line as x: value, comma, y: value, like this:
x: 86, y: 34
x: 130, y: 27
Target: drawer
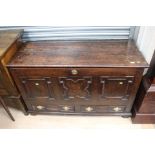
x: 54, y: 108
x: 102, y: 109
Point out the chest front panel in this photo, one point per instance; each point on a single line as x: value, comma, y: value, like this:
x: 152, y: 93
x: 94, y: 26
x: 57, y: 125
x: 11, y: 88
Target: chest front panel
x: 77, y: 90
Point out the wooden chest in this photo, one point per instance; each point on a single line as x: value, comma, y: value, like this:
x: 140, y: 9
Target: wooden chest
x: 78, y: 77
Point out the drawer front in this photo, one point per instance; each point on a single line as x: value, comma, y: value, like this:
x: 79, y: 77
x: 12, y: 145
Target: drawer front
x: 54, y: 108
x: 102, y: 109
x: 78, y: 86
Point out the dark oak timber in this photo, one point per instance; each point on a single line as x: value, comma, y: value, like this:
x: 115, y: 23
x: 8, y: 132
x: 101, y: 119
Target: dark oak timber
x: 79, y: 54
x: 78, y: 77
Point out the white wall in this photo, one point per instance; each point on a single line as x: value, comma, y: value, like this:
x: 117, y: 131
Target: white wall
x: 146, y: 41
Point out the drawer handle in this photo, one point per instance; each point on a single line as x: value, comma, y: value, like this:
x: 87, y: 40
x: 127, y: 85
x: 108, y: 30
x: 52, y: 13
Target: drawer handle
x: 66, y: 108
x: 130, y: 81
x: 120, y: 83
x: 37, y: 84
x: 89, y: 109
x: 40, y: 107
x: 116, y: 109
x: 74, y: 72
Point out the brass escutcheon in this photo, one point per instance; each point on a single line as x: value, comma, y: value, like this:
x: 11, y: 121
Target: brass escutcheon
x: 117, y: 109
x: 120, y: 83
x: 89, y: 109
x: 74, y: 72
x: 40, y: 107
x: 66, y: 108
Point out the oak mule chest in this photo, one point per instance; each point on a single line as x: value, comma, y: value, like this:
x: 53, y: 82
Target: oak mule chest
x: 77, y: 77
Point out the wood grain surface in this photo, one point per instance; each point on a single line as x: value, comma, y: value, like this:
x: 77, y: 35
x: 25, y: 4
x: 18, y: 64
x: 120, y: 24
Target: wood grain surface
x: 112, y: 53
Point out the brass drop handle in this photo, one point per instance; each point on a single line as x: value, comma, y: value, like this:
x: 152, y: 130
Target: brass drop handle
x: 89, y: 109
x: 120, y: 83
x: 40, y: 107
x: 66, y: 108
x: 74, y: 72
x: 37, y: 84
x: 116, y: 109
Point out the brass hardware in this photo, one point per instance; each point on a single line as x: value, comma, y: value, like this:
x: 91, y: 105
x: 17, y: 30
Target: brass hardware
x: 130, y: 81
x: 89, y: 109
x: 40, y: 107
x: 132, y: 62
x: 37, y: 84
x: 74, y: 72
x: 66, y: 108
x: 116, y: 109
x: 120, y: 83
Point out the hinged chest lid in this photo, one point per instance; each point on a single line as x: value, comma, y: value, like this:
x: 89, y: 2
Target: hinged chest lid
x: 110, y: 53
